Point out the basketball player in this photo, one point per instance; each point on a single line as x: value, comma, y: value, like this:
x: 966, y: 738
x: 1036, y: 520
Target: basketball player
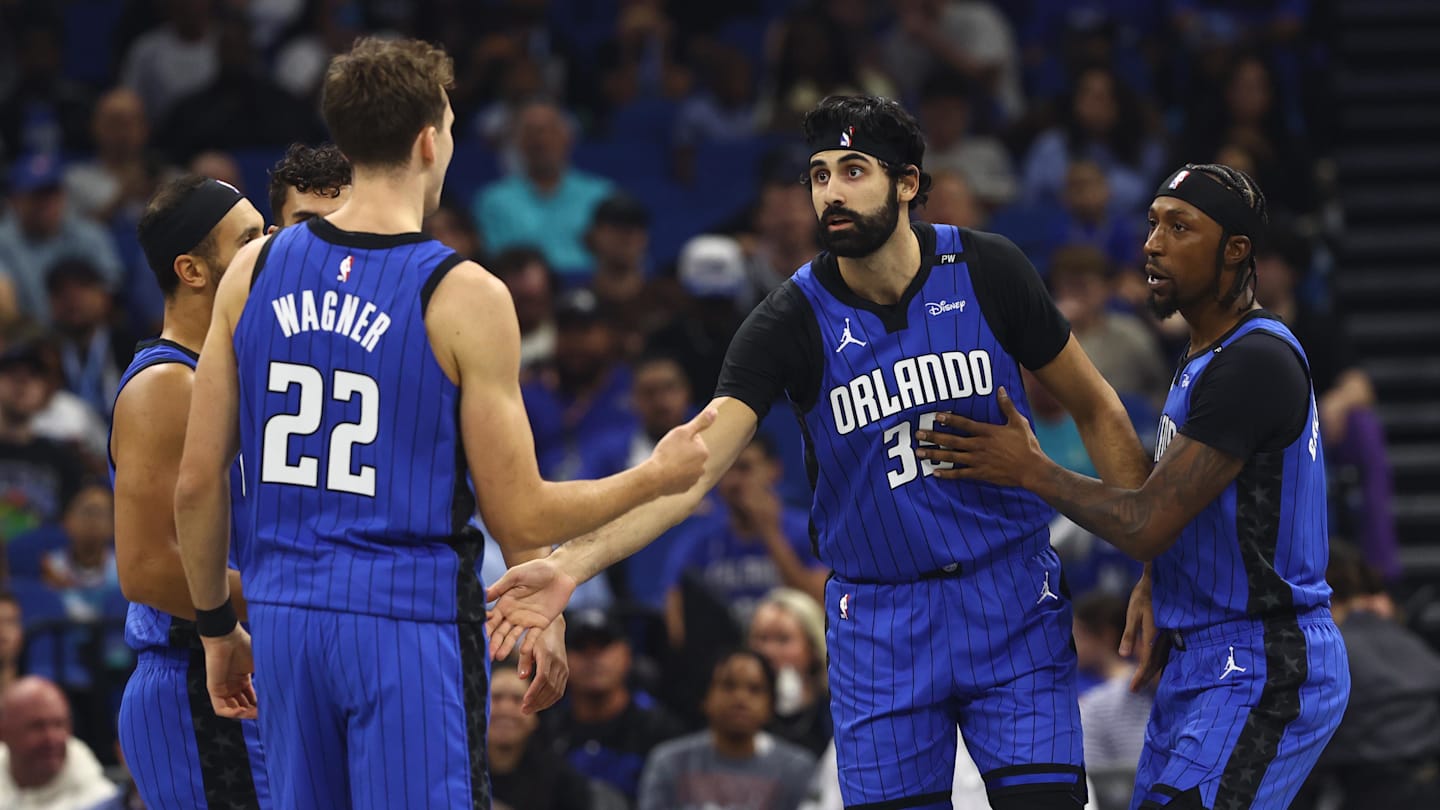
x: 180, y: 753
x: 1232, y: 520
x: 372, y: 365
x: 946, y: 606
x: 308, y: 182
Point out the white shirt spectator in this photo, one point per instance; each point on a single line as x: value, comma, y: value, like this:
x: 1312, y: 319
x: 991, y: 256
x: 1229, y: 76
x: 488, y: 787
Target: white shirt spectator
x: 80, y: 785
x: 164, y: 68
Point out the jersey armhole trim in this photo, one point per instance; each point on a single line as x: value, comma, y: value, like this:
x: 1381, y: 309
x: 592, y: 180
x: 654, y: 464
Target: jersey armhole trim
x: 436, y: 276
x: 260, y: 259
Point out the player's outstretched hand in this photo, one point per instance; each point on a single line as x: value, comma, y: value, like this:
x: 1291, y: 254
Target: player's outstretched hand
x: 999, y: 454
x: 228, y: 667
x: 530, y: 595
x: 550, y: 666
x: 681, y: 454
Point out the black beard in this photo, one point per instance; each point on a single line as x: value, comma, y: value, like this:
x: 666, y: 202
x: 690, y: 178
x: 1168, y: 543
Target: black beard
x: 1163, y: 309
x: 867, y: 232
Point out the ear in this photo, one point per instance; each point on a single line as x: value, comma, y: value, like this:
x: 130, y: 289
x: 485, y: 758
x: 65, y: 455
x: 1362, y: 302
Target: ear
x: 271, y: 229
x: 908, y: 184
x: 425, y: 143
x: 1238, y: 249
x: 191, y: 271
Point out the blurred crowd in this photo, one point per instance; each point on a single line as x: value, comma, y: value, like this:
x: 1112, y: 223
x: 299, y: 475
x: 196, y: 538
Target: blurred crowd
x: 630, y: 169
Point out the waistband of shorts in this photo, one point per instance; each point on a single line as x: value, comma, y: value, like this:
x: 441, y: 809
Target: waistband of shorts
x: 165, y: 656
x: 1224, y: 631
x: 1017, y: 550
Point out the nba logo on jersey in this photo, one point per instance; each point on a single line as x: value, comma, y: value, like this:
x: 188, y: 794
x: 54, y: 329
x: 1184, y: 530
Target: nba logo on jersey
x: 845, y: 135
x: 1179, y: 178
x: 845, y: 606
x: 345, y: 265
x: 1184, y: 380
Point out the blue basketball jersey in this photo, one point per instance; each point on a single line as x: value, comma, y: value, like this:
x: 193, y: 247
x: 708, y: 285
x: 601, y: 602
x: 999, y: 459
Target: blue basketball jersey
x: 879, y: 514
x: 356, y: 474
x: 1261, y: 547
x: 144, y: 625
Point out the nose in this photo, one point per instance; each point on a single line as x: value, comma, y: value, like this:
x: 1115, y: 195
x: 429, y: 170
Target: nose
x: 1153, y: 246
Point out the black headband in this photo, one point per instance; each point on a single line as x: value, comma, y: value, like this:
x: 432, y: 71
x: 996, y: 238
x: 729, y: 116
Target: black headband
x: 189, y: 221
x: 1215, y: 201
x: 862, y: 141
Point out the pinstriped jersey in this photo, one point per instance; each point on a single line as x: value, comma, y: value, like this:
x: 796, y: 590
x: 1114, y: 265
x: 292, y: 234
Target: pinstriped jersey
x: 146, y: 626
x: 1261, y: 548
x: 872, y: 376
x: 356, y: 476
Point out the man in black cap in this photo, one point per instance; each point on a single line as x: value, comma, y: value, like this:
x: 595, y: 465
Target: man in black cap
x: 1231, y: 522
x: 179, y: 752
x: 895, y: 322
x: 605, y: 730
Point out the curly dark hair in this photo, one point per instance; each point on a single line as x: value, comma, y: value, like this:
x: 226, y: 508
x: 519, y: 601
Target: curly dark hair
x: 320, y: 170
x: 1244, y: 187
x: 887, y: 120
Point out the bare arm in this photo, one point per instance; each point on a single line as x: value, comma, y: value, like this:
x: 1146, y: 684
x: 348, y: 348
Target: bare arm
x: 1142, y: 522
x: 473, y: 329
x: 149, y: 435
x: 1104, y: 426
x: 202, y: 493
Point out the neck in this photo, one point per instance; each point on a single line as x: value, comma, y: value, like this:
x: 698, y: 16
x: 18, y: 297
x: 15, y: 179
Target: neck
x: 545, y: 180
x: 505, y: 758
x: 187, y: 319
x: 734, y: 746
x: 9, y: 673
x: 383, y: 202
x: 1211, y: 320
x: 598, y: 707
x: 79, y: 333
x: 88, y: 558
x: 17, y: 431
x: 883, y: 275
x: 615, y: 282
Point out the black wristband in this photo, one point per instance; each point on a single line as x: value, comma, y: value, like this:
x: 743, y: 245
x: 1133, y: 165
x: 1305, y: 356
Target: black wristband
x: 216, y: 622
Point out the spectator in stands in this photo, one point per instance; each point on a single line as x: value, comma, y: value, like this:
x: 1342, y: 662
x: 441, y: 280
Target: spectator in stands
x: 781, y: 234
x: 1113, y: 717
x: 548, y: 203
x: 1121, y: 347
x: 712, y: 272
x: 952, y: 202
x: 37, y: 476
x: 533, y: 288
x: 455, y: 230
x: 1089, y: 220
x: 788, y: 628
x: 1102, y: 121
x: 752, y: 545
x: 733, y: 763
x: 605, y: 730
x: 810, y: 64
x: 83, y: 572
x: 124, y: 172
x: 218, y: 165
x: 523, y: 773
x: 1247, y: 112
x: 1344, y: 393
x: 175, y: 59
x: 308, y: 182
x: 661, y: 398
x: 92, y: 350
x: 1386, y: 752
x: 579, y: 407
x: 623, y: 280
x: 724, y: 111
x: 41, y: 111
x: 65, y: 417
x: 946, y: 113
x: 1055, y: 429
x: 970, y: 37
x: 41, y: 230
x: 12, y: 640
x: 240, y: 108
x: 43, y: 767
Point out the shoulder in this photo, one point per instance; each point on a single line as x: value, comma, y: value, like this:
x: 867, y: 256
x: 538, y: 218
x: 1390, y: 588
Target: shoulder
x: 158, y: 389
x: 688, y: 746
x: 791, y: 755
x: 991, y: 248
x: 1260, y: 352
x: 467, y: 285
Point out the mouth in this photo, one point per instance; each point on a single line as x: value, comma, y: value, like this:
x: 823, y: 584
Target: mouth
x: 1155, y: 280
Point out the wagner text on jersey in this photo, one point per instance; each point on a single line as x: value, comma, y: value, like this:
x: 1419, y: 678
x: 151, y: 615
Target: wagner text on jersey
x: 348, y: 315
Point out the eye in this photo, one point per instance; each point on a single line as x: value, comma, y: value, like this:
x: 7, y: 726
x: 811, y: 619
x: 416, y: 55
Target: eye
x: 1178, y: 227
x: 820, y: 176
x: 855, y: 171
x: 1150, y: 223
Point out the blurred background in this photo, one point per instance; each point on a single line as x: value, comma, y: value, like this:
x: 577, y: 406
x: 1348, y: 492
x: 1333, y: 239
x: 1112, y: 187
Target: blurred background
x: 630, y: 169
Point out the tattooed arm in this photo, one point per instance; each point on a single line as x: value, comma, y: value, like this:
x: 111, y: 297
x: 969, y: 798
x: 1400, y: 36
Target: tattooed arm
x: 1141, y: 522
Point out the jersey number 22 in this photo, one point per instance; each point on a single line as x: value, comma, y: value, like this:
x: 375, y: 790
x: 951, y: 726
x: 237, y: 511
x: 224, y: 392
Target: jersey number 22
x: 275, y: 466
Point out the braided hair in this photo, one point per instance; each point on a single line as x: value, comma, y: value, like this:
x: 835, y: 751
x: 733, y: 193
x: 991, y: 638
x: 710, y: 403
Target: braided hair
x: 1243, y: 186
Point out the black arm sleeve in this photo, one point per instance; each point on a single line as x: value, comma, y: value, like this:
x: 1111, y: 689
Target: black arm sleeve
x: 771, y: 353
x: 1253, y: 397
x: 1014, y: 300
